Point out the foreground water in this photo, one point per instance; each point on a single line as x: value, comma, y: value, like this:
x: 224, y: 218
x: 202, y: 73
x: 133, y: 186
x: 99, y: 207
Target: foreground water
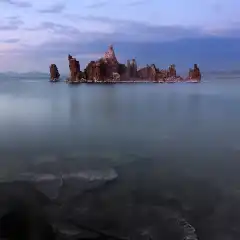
x: 171, y: 149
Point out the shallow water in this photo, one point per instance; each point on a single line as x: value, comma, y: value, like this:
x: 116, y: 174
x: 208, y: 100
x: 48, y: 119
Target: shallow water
x: 173, y: 138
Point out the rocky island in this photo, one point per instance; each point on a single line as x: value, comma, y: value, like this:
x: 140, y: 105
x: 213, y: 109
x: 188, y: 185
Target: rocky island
x: 108, y: 70
x: 54, y: 74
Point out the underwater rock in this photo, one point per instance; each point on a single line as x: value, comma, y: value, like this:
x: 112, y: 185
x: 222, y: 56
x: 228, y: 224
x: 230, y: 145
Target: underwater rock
x: 65, y: 185
x: 49, y: 184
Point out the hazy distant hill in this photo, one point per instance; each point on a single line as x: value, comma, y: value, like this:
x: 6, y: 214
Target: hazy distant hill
x: 27, y: 75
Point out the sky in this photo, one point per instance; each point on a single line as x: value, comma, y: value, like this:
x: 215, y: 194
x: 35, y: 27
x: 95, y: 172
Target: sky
x: 36, y: 33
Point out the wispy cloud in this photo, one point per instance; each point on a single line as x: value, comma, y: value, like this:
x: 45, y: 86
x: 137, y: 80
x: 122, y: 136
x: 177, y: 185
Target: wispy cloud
x: 72, y: 40
x: 56, y: 28
x: 11, y: 23
x: 98, y: 4
x: 21, y: 4
x: 87, y: 37
x: 10, y: 40
x: 56, y: 8
x: 138, y: 2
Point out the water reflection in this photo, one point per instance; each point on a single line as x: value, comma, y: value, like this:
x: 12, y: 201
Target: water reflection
x: 193, y: 109
x: 110, y: 116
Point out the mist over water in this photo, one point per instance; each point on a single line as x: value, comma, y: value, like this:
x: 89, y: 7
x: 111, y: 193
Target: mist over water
x: 156, y: 136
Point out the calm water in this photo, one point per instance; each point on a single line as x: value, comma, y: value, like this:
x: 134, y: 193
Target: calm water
x: 187, y: 131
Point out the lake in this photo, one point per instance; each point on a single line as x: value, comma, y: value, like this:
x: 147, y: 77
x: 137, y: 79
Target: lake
x: 166, y: 142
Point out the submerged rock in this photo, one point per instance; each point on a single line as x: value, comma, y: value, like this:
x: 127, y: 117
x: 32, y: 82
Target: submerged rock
x: 26, y: 223
x: 23, y: 191
x: 49, y: 184
x: 66, y: 185
x: 93, y: 175
x: 22, y: 214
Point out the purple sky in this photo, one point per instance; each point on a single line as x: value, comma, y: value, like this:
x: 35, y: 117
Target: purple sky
x: 34, y: 34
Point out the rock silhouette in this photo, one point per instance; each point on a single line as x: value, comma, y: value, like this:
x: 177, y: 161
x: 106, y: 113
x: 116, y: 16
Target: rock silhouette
x: 132, y: 69
x: 152, y: 73
x: 54, y: 74
x: 74, y: 67
x: 194, y: 73
x: 108, y: 68
x: 172, y: 71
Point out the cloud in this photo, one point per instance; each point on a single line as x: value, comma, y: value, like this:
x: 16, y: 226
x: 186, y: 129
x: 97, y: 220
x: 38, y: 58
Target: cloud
x: 70, y: 39
x: 20, y: 4
x: 10, y: 40
x: 56, y: 8
x: 57, y: 29
x: 98, y: 4
x: 138, y: 2
x: 12, y: 18
x: 147, y: 43
x: 11, y: 23
x: 125, y: 30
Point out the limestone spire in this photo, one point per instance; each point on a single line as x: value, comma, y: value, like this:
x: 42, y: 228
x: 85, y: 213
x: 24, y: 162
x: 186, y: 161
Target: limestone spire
x: 110, y: 54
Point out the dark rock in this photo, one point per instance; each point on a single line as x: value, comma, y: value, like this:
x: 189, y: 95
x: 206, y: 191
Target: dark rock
x: 90, y: 70
x: 48, y: 184
x: 22, y: 212
x: 105, y: 67
x: 194, y: 73
x: 108, y: 67
x: 122, y: 70
x: 148, y: 73
x: 63, y: 186
x: 19, y: 190
x: 25, y: 223
x: 132, y: 69
x: 128, y: 69
x: 144, y: 73
x: 54, y: 74
x: 74, y: 67
x: 111, y: 62
x: 172, y: 71
x: 96, y: 70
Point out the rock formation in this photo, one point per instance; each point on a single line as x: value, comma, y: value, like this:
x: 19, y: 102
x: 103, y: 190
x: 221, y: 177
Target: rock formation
x: 145, y: 72
x: 54, y: 74
x: 105, y: 68
x: 74, y: 67
x: 132, y: 69
x: 172, y: 71
x: 90, y: 71
x: 110, y: 62
x: 128, y: 69
x: 96, y: 71
x: 194, y: 73
x: 152, y: 73
x: 108, y: 68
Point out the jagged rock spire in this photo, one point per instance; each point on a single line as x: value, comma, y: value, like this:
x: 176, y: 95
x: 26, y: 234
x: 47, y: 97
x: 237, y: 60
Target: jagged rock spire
x: 54, y: 74
x: 110, y: 55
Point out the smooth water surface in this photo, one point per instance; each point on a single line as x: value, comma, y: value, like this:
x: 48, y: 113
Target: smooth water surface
x: 195, y: 124
x: 190, y: 130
